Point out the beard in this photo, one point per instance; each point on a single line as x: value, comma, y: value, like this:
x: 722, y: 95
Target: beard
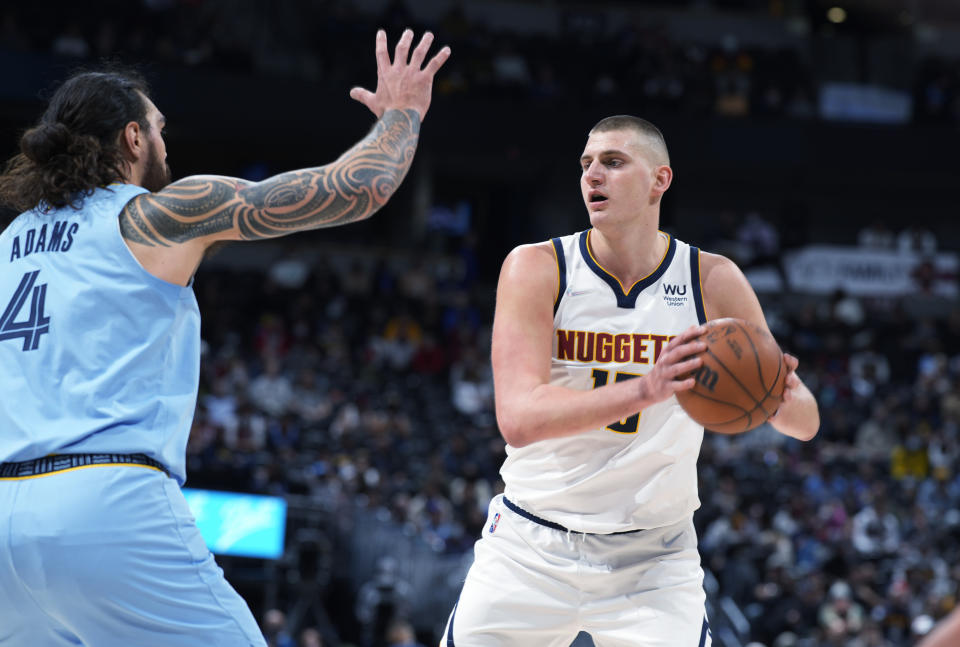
x: 157, y: 174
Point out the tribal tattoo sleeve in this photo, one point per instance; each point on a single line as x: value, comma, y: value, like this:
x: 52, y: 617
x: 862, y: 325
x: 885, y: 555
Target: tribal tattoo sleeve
x: 347, y: 190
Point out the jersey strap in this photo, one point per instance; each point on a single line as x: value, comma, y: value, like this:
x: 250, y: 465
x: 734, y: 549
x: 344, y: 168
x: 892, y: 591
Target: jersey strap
x: 561, y: 272
x: 696, y: 285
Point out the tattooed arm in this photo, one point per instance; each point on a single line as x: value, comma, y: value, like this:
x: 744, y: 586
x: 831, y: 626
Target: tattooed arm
x: 219, y: 208
x: 170, y: 230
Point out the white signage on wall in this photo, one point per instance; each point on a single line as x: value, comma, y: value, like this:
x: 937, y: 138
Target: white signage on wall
x: 824, y: 269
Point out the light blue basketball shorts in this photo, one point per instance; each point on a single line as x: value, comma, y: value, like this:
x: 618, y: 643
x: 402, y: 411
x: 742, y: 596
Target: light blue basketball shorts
x: 110, y: 555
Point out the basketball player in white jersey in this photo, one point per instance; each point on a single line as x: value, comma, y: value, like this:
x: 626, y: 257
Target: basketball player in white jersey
x: 591, y: 342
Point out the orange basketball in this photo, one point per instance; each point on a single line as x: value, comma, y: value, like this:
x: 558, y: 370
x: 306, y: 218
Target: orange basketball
x: 740, y: 383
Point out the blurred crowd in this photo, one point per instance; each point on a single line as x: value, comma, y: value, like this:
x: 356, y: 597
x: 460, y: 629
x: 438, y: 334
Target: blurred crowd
x: 589, y: 59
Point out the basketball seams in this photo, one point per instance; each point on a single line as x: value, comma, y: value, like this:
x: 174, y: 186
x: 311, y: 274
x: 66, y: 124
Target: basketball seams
x: 769, y: 391
x: 756, y: 356
x: 758, y: 404
x: 723, y: 402
x: 733, y: 375
x: 747, y: 413
x: 719, y: 426
x: 753, y: 347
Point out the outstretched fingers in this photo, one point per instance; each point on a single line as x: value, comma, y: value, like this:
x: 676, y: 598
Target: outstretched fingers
x: 402, y: 53
x: 420, y: 53
x: 383, y: 54
x: 363, y: 95
x: 437, y: 61
x: 402, y: 83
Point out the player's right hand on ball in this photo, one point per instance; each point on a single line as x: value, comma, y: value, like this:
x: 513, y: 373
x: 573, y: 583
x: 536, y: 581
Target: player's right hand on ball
x: 402, y: 84
x: 673, y: 370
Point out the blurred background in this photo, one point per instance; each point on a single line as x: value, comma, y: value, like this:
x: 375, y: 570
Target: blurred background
x: 346, y: 371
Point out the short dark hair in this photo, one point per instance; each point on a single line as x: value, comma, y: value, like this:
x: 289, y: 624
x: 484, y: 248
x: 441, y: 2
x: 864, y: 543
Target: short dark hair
x: 74, y: 147
x: 654, y: 138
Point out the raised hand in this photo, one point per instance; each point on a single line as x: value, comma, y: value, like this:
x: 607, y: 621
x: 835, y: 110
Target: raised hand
x: 402, y: 84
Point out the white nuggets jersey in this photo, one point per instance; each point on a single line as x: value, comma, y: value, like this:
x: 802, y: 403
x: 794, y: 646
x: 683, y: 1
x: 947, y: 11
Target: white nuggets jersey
x: 636, y: 473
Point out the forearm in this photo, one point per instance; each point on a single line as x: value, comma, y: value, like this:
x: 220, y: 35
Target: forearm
x: 550, y: 411
x: 352, y: 188
x: 799, y: 417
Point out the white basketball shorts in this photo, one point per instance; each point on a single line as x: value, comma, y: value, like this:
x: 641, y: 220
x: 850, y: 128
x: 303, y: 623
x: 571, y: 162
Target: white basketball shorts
x: 535, y: 585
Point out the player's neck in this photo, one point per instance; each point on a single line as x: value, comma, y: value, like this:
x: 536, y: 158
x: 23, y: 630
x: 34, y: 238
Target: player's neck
x: 629, y: 255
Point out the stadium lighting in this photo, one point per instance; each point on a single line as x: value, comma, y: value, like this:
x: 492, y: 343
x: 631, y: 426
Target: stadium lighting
x: 836, y: 15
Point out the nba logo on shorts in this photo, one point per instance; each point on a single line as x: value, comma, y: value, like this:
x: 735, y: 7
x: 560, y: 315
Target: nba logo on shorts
x: 496, y: 520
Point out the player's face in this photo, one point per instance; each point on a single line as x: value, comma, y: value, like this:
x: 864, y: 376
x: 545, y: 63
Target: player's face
x: 618, y: 181
x: 156, y: 172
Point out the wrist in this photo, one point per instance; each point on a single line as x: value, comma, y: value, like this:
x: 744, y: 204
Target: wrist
x: 643, y: 391
x: 412, y: 115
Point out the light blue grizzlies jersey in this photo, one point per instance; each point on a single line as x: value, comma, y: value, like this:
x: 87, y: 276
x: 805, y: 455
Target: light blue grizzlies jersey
x: 96, y: 354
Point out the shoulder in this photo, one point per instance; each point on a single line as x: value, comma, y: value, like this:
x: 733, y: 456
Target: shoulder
x: 726, y: 291
x: 535, y: 258
x: 13, y: 223
x: 530, y: 269
x: 717, y: 268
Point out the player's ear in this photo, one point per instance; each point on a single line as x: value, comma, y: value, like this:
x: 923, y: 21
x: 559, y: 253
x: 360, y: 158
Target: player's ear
x: 662, y: 178
x: 132, y: 141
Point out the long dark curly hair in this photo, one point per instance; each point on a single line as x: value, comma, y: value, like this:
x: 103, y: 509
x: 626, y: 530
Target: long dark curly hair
x: 75, y: 146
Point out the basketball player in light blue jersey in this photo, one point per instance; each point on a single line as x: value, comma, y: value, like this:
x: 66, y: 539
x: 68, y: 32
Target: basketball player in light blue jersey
x: 99, y: 352
x: 592, y: 340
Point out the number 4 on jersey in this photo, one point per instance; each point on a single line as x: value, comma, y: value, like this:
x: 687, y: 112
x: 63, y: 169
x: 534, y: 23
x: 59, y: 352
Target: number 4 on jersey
x: 37, y: 322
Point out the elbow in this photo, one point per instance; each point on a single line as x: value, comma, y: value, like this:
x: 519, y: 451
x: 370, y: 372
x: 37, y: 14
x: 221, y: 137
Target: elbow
x: 806, y: 432
x: 370, y: 199
x: 799, y: 419
x: 513, y: 432
x: 367, y: 214
x: 806, y: 435
x: 512, y: 435
x: 802, y: 432
x: 811, y: 432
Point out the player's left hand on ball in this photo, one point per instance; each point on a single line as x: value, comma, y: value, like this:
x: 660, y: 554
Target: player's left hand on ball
x: 790, y: 384
x: 792, y: 381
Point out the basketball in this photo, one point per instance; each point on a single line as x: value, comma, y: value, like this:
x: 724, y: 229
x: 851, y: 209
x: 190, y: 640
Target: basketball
x: 740, y: 383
